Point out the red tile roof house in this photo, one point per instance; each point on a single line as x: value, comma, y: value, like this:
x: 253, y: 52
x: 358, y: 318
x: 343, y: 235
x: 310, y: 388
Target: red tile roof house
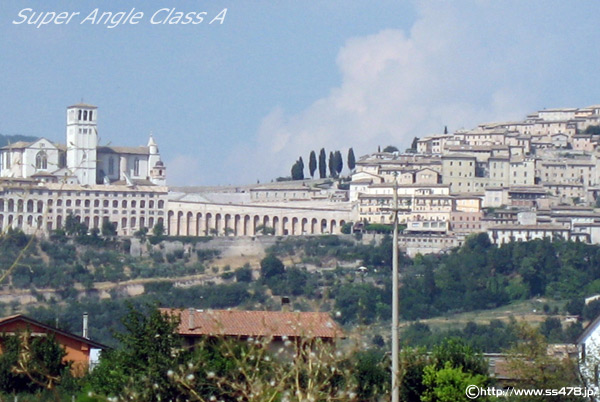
x: 277, y: 326
x: 82, y: 352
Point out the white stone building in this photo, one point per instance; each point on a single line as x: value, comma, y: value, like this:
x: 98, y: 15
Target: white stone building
x: 82, y: 160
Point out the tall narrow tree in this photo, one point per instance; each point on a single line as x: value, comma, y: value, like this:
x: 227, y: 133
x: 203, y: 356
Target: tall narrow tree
x: 351, y: 161
x: 339, y: 162
x: 312, y: 164
x: 332, y: 168
x: 322, y: 164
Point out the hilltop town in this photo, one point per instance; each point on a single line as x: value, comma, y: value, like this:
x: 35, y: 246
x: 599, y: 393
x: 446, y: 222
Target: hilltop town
x: 518, y: 180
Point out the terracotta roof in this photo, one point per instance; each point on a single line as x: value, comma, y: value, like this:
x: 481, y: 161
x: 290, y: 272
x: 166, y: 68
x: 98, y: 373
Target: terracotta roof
x: 21, y: 317
x: 255, y: 323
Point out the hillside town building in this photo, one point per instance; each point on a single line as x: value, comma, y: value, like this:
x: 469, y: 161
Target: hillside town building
x: 495, y: 178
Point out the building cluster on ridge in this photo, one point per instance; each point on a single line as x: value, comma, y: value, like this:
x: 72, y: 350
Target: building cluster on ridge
x: 516, y: 181
x: 535, y: 178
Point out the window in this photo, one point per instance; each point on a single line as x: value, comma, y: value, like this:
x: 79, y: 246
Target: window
x: 111, y: 166
x: 136, y: 167
x: 41, y: 161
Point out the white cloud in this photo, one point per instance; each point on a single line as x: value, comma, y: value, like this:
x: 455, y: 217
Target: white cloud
x: 448, y: 70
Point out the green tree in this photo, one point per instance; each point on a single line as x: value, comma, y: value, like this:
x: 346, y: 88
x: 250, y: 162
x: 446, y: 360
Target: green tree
x: 347, y: 228
x: 108, y: 229
x: 449, y: 383
x: 594, y: 130
x: 298, y: 170
x: 243, y: 274
x: 73, y: 227
x: 372, y: 375
x: 271, y: 266
x: 149, y: 349
x: 390, y: 149
x: 322, y: 164
x: 31, y: 364
x: 332, y: 167
x: 534, y: 368
x: 312, y: 164
x: 339, y: 162
x: 351, y: 160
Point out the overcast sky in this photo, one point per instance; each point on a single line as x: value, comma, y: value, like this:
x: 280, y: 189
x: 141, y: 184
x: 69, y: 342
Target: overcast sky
x: 240, y: 101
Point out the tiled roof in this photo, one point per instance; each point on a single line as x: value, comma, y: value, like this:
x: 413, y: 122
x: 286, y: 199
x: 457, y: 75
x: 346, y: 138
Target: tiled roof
x: 124, y: 150
x: 255, y: 323
x: 27, y: 320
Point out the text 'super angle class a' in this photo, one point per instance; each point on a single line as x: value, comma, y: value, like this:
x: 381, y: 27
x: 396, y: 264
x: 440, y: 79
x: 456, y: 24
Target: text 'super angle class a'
x: 113, y: 19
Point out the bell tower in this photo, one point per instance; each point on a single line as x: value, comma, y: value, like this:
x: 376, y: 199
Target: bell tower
x: 82, y: 141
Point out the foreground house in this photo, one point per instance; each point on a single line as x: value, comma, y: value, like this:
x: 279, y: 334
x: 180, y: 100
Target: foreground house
x: 82, y: 352
x: 588, y: 345
x: 276, y: 326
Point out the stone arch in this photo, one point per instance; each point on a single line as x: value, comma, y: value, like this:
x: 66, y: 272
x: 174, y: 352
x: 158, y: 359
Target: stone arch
x: 284, y: 226
x: 19, y: 205
x: 189, y: 217
x: 323, y: 228
x: 275, y: 226
x: 179, y: 223
x: 170, y: 217
x: 40, y: 207
x: 227, y: 224
x: 30, y: 220
x: 313, y: 226
x: 199, y: 224
x: 132, y: 223
x: 295, y: 226
x: 142, y: 222
x: 58, y: 221
x: 245, y: 225
x: 304, y: 226
x: 1, y: 221
x: 332, y: 226
x: 255, y: 224
x: 39, y: 222
x: 218, y: 223
x: 97, y: 222
x: 11, y: 205
x: 208, y: 224
x: 20, y: 221
x: 150, y: 223
x: 30, y: 206
x: 236, y: 225
x: 86, y: 222
x: 265, y: 222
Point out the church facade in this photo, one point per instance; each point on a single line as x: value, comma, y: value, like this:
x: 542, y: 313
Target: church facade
x: 42, y: 183
x: 82, y: 160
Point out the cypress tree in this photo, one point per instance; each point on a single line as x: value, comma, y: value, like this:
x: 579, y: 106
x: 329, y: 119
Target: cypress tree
x: 351, y: 161
x: 312, y: 164
x: 322, y: 164
x: 332, y: 167
x: 339, y: 162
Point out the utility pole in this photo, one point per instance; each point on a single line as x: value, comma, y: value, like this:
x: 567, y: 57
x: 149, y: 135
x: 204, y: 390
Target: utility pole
x: 395, y: 307
x: 395, y: 293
